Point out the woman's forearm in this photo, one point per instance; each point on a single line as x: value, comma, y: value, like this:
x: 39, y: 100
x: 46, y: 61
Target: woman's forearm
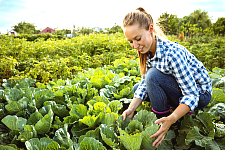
x: 179, y: 112
x: 134, y: 104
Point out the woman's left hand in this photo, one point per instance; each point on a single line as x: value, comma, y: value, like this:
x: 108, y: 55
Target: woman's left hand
x: 165, y: 122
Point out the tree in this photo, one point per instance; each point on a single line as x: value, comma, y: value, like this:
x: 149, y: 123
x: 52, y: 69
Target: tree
x: 114, y: 29
x: 84, y: 30
x: 25, y: 28
x: 219, y: 26
x: 168, y: 23
x: 201, y: 18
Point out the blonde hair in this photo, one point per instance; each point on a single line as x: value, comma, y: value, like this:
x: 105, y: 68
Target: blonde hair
x: 144, y: 20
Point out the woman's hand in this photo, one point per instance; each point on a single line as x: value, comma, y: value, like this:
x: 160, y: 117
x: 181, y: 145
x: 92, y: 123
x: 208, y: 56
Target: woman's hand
x: 129, y: 113
x: 132, y: 107
x: 165, y: 122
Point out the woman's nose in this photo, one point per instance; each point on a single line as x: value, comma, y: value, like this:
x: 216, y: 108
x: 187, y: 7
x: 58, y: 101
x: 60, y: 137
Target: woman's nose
x: 136, y: 45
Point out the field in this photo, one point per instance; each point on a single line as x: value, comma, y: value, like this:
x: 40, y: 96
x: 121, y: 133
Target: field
x: 70, y: 94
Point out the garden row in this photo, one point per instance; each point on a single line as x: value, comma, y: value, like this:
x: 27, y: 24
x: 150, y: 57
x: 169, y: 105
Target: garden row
x: 45, y: 60
x: 33, y: 37
x: 85, y: 113
x: 54, y: 59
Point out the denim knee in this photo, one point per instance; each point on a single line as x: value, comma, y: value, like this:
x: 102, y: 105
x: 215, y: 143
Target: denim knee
x: 151, y: 75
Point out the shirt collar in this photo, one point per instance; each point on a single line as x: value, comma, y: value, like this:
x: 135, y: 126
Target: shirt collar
x: 159, y: 49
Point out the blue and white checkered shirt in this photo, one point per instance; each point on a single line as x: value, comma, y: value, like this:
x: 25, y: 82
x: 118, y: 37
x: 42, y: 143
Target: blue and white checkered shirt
x: 174, y: 59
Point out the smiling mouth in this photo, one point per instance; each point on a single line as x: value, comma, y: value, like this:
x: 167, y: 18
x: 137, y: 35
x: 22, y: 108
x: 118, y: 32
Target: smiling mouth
x: 140, y: 49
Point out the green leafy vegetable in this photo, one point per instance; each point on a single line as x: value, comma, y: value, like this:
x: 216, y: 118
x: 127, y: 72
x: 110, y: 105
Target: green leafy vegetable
x: 79, y: 129
x: 145, y: 117
x: 92, y: 133
x: 63, y: 137
x: 218, y: 110
x: 43, y: 144
x: 217, y: 97
x: 14, y: 122
x: 115, y: 106
x: 42, y: 96
x: 34, y: 118
x: 13, y: 95
x: 109, y: 136
x: 78, y: 110
x: 90, y: 121
x: 198, y: 138
x: 89, y: 143
x: 220, y: 130
x: 44, y: 124
x: 134, y: 127
x: 58, y: 109
x: 146, y: 142
x: 123, y: 124
x: 109, y: 118
x: 17, y: 106
x: 131, y: 142
x: 28, y: 133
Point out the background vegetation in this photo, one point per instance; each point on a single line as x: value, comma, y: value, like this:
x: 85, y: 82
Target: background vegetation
x: 69, y: 93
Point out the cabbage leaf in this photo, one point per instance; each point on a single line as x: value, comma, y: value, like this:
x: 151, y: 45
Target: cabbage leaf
x: 89, y: 143
x: 14, y: 122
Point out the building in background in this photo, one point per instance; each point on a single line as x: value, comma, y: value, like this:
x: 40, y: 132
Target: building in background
x: 12, y: 32
x: 47, y: 30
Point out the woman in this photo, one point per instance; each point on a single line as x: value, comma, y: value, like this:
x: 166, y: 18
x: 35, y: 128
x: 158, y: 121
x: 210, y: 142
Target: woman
x: 171, y: 76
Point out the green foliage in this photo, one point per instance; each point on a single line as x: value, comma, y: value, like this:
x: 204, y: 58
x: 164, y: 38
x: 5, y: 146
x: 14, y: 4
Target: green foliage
x: 45, y: 60
x: 62, y: 137
x: 131, y: 142
x: 73, y: 114
x: 219, y: 26
x: 42, y: 144
x: 84, y: 30
x: 44, y: 124
x: 116, y: 28
x: 90, y: 143
x: 14, y: 122
x: 68, y: 107
x: 28, y: 133
x: 218, y: 78
x: 35, y: 37
x: 109, y: 136
x: 168, y: 23
x: 25, y: 28
x: 196, y: 22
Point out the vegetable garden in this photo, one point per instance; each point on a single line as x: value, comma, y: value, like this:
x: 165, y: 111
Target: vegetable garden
x: 70, y: 94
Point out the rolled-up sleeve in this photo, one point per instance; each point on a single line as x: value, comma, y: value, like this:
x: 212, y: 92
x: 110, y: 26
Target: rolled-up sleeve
x: 141, y: 90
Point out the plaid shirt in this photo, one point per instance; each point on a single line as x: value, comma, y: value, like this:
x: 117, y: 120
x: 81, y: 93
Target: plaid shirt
x: 174, y: 59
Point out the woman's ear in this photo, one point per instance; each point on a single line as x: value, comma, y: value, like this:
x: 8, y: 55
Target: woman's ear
x: 151, y: 28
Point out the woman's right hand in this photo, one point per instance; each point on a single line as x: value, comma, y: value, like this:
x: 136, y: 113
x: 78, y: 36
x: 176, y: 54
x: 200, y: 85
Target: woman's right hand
x: 129, y: 113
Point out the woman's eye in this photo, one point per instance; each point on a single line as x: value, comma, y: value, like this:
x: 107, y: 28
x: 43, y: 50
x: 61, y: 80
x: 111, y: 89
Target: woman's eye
x: 131, y: 41
x: 139, y: 39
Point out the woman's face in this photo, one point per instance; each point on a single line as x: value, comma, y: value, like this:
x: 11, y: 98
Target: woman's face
x: 139, y: 39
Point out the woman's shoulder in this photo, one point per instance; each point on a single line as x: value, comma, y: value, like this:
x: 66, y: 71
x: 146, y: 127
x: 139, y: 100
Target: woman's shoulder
x: 171, y: 46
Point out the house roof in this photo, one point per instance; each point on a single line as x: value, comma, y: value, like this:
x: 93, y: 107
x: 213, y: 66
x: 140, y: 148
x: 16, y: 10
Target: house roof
x: 50, y: 30
x: 12, y: 31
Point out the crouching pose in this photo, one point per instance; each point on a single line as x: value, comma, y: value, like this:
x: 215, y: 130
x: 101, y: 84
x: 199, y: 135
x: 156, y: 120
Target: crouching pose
x: 172, y: 77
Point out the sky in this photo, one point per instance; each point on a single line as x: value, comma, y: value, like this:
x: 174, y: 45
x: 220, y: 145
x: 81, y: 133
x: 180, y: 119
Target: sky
x: 63, y: 14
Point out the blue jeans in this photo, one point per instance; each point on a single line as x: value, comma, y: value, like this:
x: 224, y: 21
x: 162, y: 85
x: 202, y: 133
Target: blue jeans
x: 164, y: 92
